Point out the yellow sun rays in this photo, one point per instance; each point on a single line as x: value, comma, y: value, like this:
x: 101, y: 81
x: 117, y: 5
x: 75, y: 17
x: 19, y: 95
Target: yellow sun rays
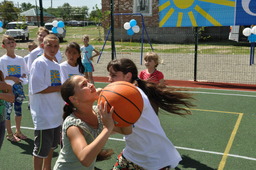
x: 221, y: 2
x: 207, y: 16
x: 191, y: 14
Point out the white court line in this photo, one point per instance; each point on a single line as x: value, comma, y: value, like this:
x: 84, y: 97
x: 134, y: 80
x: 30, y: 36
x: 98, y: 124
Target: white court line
x: 178, y: 147
x: 223, y: 94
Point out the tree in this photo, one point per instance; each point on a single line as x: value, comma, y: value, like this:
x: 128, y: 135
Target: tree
x: 26, y: 6
x: 99, y: 17
x: 65, y: 10
x: 8, y: 11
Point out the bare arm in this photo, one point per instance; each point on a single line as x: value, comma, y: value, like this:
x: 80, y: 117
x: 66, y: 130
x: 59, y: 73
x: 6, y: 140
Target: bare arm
x: 7, y: 95
x: 15, y: 79
x: 97, y: 53
x: 87, y: 153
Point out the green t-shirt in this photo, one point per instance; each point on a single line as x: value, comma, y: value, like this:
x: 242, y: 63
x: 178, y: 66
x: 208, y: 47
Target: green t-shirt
x: 67, y: 160
x: 2, y: 109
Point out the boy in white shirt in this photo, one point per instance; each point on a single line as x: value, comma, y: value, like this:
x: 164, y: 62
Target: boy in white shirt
x: 15, y: 71
x: 46, y: 103
x: 34, y: 54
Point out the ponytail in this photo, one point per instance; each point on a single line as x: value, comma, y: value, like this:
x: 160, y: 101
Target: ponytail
x: 67, y: 90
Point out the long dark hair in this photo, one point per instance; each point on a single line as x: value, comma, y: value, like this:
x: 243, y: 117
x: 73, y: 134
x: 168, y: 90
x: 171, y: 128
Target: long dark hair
x: 67, y: 90
x: 167, y: 98
x: 79, y: 59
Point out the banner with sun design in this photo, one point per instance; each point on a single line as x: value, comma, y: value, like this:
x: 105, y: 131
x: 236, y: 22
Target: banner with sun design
x: 193, y: 13
x: 14, y: 70
x: 55, y: 78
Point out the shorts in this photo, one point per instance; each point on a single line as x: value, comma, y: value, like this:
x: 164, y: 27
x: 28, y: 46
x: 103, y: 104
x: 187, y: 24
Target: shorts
x: 45, y: 140
x: 122, y: 163
x: 88, y: 67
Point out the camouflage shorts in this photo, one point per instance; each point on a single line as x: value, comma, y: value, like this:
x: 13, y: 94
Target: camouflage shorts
x: 123, y: 164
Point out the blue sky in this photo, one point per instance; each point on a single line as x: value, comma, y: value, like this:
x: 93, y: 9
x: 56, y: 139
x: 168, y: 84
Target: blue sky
x: 56, y: 3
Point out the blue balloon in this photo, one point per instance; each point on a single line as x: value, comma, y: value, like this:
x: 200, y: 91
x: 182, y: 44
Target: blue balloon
x: 60, y: 24
x: 130, y: 32
x: 252, y: 38
x: 1, y: 24
x: 133, y: 22
x: 54, y: 30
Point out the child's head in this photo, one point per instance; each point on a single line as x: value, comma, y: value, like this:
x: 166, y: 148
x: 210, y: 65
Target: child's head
x: 31, y: 46
x: 152, y: 56
x: 76, y: 91
x: 41, y: 33
x: 8, y: 42
x: 86, y: 39
x: 126, y: 67
x: 51, y: 45
x: 73, y: 46
x: 73, y: 52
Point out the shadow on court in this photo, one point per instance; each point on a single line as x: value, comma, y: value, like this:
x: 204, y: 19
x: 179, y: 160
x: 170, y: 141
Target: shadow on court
x: 188, y: 162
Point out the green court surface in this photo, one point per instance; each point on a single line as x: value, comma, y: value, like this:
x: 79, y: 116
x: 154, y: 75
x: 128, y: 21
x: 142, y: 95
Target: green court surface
x: 220, y: 134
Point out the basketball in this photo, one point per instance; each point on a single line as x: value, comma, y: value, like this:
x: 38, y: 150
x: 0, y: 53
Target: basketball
x: 127, y: 102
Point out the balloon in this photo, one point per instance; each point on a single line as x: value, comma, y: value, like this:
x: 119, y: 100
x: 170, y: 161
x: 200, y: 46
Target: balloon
x: 127, y: 25
x: 60, y: 30
x: 136, y: 29
x: 60, y: 24
x: 54, y: 30
x: 1, y: 24
x: 253, y: 30
x: 55, y: 23
x: 130, y: 32
x: 247, y: 32
x: 252, y: 38
x: 133, y: 22
x: 1, y: 29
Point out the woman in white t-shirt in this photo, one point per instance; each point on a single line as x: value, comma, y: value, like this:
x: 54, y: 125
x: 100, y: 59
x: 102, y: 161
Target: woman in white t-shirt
x: 148, y: 147
x: 73, y: 65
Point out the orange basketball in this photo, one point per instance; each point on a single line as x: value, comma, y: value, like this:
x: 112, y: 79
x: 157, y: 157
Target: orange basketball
x: 127, y: 102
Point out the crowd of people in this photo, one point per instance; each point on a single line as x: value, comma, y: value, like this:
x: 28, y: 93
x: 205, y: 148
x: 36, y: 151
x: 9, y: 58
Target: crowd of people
x: 62, y: 99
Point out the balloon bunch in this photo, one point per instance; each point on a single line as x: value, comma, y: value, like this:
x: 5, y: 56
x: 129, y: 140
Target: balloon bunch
x: 1, y: 26
x: 58, y: 27
x: 131, y: 27
x: 250, y: 33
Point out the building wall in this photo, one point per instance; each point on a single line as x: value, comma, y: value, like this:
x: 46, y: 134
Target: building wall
x: 155, y: 33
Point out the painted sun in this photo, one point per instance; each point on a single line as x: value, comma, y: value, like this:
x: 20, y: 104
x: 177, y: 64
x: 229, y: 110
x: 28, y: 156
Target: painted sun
x: 178, y: 13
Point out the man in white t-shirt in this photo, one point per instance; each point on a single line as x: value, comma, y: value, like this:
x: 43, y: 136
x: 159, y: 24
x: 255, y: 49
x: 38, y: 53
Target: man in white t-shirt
x: 46, y: 102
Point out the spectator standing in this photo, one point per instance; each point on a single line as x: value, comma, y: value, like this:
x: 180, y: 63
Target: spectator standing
x: 31, y: 47
x: 73, y: 65
x: 5, y: 95
x: 87, y: 58
x: 151, y: 73
x: 46, y: 103
x: 15, y: 71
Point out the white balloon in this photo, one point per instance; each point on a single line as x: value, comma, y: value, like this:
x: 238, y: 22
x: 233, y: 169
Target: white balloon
x: 55, y: 23
x: 60, y: 30
x: 136, y: 29
x: 253, y: 30
x: 127, y: 25
x: 1, y: 29
x: 247, y: 32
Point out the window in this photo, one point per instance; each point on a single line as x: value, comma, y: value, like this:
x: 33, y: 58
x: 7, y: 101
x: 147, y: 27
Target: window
x: 142, y: 6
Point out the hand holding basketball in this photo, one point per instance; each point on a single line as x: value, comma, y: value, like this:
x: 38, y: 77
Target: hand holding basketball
x: 127, y: 102
x: 106, y: 116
